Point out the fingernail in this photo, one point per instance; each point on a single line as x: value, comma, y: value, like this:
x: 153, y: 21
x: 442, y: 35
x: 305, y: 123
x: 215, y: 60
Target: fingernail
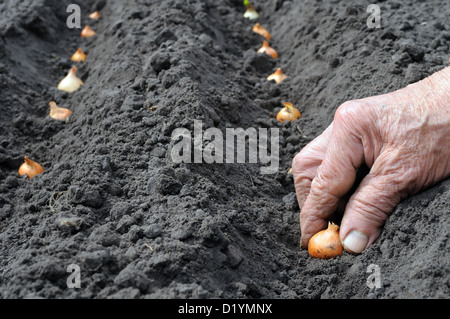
x: 355, y: 241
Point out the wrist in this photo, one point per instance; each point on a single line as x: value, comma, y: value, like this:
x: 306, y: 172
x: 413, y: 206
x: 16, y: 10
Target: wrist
x: 433, y: 92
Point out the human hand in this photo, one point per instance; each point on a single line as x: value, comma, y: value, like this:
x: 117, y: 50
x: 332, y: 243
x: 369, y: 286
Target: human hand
x: 403, y: 137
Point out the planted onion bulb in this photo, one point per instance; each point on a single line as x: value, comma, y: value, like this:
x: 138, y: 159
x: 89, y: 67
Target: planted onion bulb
x: 326, y: 243
x: 87, y: 32
x: 94, y: 15
x: 59, y: 113
x: 288, y: 113
x: 278, y: 76
x: 78, y: 56
x: 250, y: 13
x: 261, y: 31
x: 268, y: 50
x: 30, y: 168
x: 71, y: 82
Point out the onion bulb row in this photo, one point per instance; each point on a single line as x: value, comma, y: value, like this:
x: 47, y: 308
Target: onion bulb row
x: 70, y: 83
x: 289, y: 112
x: 326, y: 243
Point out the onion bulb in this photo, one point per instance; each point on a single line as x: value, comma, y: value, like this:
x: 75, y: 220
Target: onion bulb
x: 30, y: 168
x: 251, y: 12
x: 78, y: 56
x: 94, y: 15
x: 288, y: 113
x: 268, y: 50
x: 278, y: 76
x: 261, y: 31
x: 87, y: 32
x: 71, y: 82
x: 326, y: 243
x: 59, y: 113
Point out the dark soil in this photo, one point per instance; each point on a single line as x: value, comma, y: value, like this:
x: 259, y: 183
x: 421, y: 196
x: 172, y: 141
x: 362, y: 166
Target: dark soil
x: 111, y: 199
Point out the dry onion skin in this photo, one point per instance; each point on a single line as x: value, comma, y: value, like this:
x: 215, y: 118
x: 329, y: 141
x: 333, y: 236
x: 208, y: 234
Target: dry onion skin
x: 94, y: 15
x: 59, y: 113
x: 278, y: 76
x: 250, y: 13
x: 30, y: 168
x: 71, y: 82
x: 268, y: 50
x: 87, y: 32
x: 257, y: 28
x: 288, y: 113
x: 78, y: 56
x: 326, y: 244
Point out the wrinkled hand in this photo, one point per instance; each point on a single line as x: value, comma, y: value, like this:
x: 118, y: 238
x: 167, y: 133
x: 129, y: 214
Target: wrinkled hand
x: 404, y: 139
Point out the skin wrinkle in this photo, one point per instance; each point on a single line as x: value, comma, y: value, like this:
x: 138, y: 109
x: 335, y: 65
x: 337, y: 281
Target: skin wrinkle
x: 304, y: 167
x: 383, y: 186
x: 372, y: 214
x: 349, y: 121
x: 348, y: 124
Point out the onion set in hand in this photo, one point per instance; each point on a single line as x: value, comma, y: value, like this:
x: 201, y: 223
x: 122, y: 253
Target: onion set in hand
x: 326, y: 243
x: 71, y: 82
x: 30, y: 168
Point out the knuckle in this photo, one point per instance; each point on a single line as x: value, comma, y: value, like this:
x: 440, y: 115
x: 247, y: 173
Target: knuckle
x: 351, y: 113
x: 347, y: 110
x: 297, y: 161
x: 320, y: 186
x: 303, y: 160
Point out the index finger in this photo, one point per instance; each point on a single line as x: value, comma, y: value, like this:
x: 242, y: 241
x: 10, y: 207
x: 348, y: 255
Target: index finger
x: 335, y: 176
x: 305, y: 164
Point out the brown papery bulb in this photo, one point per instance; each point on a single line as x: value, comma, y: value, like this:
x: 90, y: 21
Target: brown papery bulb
x: 288, y: 113
x: 30, y: 168
x: 278, y: 76
x: 87, y: 32
x: 326, y: 243
x: 261, y: 31
x: 71, y: 82
x: 250, y: 13
x: 78, y: 56
x: 59, y: 113
x: 94, y: 15
x: 268, y: 50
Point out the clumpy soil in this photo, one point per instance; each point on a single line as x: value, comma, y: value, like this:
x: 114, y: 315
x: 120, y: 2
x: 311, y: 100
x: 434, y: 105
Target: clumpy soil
x: 111, y: 199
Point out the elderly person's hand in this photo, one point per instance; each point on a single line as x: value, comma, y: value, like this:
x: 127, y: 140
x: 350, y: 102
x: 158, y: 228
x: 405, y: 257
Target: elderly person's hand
x: 403, y: 138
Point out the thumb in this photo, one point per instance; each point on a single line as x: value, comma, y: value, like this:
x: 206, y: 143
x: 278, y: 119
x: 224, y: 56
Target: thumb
x: 367, y: 210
